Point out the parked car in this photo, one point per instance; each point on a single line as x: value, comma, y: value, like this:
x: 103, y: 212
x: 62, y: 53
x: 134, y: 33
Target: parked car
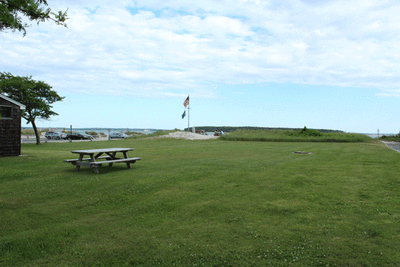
x: 119, y: 135
x: 50, y: 135
x: 79, y: 136
x: 87, y: 136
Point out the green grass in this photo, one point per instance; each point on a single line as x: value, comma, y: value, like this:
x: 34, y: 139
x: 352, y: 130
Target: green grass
x: 203, y: 203
x: 304, y: 135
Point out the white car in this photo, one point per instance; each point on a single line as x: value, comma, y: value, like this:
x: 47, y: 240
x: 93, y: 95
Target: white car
x: 119, y: 135
x: 55, y: 135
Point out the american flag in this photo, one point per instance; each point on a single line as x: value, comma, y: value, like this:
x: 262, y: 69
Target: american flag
x: 186, y: 103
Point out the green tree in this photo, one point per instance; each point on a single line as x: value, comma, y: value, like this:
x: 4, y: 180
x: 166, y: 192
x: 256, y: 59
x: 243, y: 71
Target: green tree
x: 35, y: 10
x: 37, y: 96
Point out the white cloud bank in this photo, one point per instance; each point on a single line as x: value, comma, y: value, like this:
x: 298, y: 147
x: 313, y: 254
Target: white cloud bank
x: 162, y: 48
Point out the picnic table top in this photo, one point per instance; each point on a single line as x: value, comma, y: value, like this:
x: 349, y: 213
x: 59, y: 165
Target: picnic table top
x: 101, y: 150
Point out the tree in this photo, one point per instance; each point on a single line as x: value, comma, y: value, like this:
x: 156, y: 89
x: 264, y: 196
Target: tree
x: 37, y: 96
x: 10, y: 11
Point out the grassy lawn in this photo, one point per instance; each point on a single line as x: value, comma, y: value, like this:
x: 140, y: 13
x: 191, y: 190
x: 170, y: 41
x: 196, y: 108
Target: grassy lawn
x: 304, y: 135
x: 203, y: 203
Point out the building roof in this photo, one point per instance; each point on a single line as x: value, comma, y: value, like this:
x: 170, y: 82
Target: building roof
x: 13, y: 101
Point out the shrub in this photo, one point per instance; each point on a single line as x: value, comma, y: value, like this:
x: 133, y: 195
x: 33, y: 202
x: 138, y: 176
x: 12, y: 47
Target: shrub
x: 310, y: 132
x: 395, y: 138
x: 93, y: 133
x: 304, y: 133
x: 132, y: 133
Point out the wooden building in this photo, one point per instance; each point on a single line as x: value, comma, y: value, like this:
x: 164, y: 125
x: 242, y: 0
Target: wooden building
x: 10, y: 127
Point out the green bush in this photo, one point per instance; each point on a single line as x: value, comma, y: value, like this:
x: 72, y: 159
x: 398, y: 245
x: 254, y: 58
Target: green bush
x: 394, y: 138
x: 310, y: 132
x: 93, y: 133
x: 304, y: 132
x: 132, y: 133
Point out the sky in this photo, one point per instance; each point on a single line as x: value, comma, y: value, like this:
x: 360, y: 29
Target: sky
x: 323, y: 64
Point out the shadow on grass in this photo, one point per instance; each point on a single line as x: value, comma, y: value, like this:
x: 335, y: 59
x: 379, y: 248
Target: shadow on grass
x: 102, y: 170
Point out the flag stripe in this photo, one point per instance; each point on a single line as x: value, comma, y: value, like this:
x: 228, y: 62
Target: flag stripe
x: 186, y: 103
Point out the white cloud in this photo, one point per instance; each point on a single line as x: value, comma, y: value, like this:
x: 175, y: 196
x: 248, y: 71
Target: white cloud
x: 143, y: 47
x: 389, y: 93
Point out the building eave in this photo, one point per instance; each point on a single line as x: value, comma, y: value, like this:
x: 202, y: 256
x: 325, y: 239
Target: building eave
x: 13, y: 101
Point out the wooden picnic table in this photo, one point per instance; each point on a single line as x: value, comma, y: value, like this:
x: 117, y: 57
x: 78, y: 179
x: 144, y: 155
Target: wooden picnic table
x: 96, y: 154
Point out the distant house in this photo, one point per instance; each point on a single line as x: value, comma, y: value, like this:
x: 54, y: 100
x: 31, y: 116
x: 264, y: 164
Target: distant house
x: 10, y: 127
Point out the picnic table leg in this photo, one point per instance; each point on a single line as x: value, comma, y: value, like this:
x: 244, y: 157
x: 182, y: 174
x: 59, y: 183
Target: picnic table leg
x: 78, y: 165
x: 112, y: 155
x: 128, y: 164
x: 93, y: 159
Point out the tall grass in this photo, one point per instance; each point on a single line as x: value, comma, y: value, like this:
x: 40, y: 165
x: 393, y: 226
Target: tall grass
x: 203, y: 203
x: 29, y: 132
x: 308, y: 135
x: 155, y: 134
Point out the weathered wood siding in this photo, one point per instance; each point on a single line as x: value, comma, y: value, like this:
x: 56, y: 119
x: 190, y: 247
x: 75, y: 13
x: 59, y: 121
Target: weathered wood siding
x: 10, y: 130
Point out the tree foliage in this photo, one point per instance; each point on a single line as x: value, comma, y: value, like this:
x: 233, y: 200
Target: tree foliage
x: 37, y: 96
x: 34, y: 10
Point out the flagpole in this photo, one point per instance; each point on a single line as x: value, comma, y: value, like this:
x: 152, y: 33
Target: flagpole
x: 186, y: 105
x: 188, y: 113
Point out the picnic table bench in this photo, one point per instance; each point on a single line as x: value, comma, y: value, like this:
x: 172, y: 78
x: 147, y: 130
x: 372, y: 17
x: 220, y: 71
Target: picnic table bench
x: 96, y: 154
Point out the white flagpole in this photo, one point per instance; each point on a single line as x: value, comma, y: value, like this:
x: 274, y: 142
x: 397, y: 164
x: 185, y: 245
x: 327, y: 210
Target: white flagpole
x: 188, y: 113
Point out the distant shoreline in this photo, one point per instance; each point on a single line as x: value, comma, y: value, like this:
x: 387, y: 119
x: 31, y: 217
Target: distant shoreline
x: 96, y: 129
x: 208, y: 128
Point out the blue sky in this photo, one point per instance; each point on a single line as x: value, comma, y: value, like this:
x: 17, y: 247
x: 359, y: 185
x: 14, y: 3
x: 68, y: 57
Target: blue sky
x: 322, y: 64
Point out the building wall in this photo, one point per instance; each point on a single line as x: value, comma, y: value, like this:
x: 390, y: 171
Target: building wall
x: 10, y: 130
